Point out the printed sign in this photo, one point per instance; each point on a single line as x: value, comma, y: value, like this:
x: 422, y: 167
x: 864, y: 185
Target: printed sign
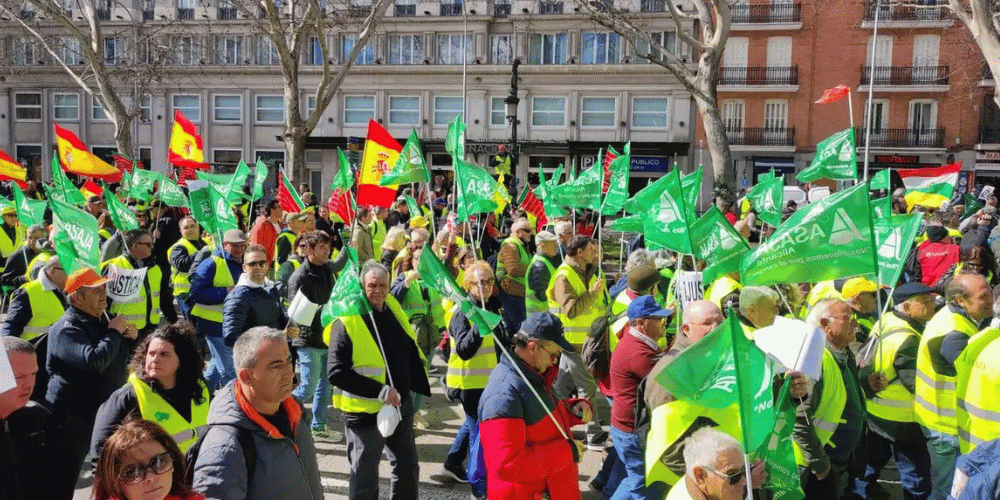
x: 687, y: 288
x: 124, y: 284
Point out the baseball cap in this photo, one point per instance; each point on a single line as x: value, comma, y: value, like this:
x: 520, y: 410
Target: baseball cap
x: 856, y: 286
x: 546, y: 326
x: 84, y: 277
x: 545, y: 236
x: 907, y: 291
x: 936, y: 233
x: 645, y: 306
x: 234, y: 236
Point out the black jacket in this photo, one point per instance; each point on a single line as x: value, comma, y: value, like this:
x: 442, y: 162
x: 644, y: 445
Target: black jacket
x: 316, y: 283
x: 248, y: 306
x: 16, y: 268
x: 33, y: 461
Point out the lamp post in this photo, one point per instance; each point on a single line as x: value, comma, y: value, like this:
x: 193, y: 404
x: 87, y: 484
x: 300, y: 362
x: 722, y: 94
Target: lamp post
x: 510, y: 104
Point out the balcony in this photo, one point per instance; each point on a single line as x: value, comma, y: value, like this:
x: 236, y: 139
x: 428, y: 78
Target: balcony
x: 761, y: 136
x: 550, y: 7
x: 405, y: 10
x: 227, y: 13
x: 922, y: 12
x: 767, y: 13
x: 102, y: 14
x: 501, y: 10
x: 185, y: 14
x: 653, y: 6
x: 759, y: 75
x: 897, y: 138
x: 451, y: 9
x: 905, y: 76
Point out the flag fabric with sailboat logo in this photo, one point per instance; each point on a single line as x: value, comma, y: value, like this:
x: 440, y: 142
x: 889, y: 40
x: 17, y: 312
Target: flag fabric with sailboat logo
x: 475, y: 189
x: 63, y: 189
x: 233, y: 192
x: 881, y: 207
x: 667, y: 224
x: 647, y: 196
x: 972, y: 205
x: 582, y: 192
x: 704, y: 373
x: 171, y: 194
x: 436, y: 276
x: 753, y: 385
x: 120, y: 214
x: 617, y: 188
x: 77, y: 244
x: 11, y: 170
x: 827, y: 239
x: 410, y: 166
x: 880, y: 180
x: 894, y: 236
x: 929, y: 186
x: 29, y: 212
x: 691, y: 185
x: 381, y: 153
x: 76, y: 158
x: 144, y: 183
x: 716, y: 241
x: 778, y: 451
x: 347, y: 297
x: 835, y: 158
x: 186, y: 148
x: 767, y: 199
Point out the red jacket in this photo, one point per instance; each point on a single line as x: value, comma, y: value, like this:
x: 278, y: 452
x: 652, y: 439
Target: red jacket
x: 264, y: 234
x: 935, y: 258
x: 524, y: 452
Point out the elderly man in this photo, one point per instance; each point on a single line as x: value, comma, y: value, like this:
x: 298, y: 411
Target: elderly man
x: 257, y: 409
x: 87, y: 359
x: 142, y: 309
x: 15, y: 271
x: 758, y: 307
x: 564, y: 231
x: 95, y: 205
x: 418, y: 238
x: 970, y: 301
x: 512, y: 267
x: 715, y: 468
x: 11, y: 233
x: 181, y: 257
x: 36, y: 305
x: 540, y: 272
x: 374, y: 360
x: 859, y: 293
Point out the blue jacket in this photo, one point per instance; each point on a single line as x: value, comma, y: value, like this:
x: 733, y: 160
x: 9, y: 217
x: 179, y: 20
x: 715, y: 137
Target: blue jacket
x: 982, y: 466
x: 251, y: 305
x: 202, y: 291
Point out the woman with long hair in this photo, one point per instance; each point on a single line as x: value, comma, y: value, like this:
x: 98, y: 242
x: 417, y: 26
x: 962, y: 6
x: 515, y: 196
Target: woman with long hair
x: 140, y: 461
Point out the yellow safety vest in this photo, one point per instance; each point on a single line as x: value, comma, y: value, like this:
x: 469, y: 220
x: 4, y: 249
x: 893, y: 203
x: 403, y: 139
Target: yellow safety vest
x: 179, y: 280
x: 366, y: 358
x: 503, y: 164
x: 720, y: 288
x: 154, y: 408
x: 104, y: 234
x: 576, y: 329
x: 45, y: 309
x: 283, y: 235
x: 417, y: 309
x: 378, y: 237
x: 895, y: 402
x: 830, y: 408
x: 668, y: 423
x: 134, y: 308
x: 222, y: 279
x: 36, y: 264
x: 619, y: 308
x: 934, y: 396
x: 475, y: 372
x: 522, y: 257
x: 531, y: 304
x: 977, y: 418
x: 7, y: 246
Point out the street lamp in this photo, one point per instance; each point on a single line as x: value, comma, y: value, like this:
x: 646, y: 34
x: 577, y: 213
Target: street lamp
x: 510, y: 103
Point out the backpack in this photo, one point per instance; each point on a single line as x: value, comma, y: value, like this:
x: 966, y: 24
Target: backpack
x: 245, y: 438
x: 596, y: 349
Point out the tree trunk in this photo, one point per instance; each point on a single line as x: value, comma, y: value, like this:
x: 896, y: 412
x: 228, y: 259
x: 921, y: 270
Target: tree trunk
x: 123, y: 138
x: 718, y: 143
x: 295, y: 156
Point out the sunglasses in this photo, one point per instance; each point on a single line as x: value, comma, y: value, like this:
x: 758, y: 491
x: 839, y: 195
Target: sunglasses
x: 257, y: 263
x: 733, y: 478
x: 159, y: 464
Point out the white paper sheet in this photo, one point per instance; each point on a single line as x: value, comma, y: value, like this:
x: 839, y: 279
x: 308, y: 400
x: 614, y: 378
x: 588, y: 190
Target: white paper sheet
x: 793, y: 343
x: 7, y: 381
x: 301, y: 310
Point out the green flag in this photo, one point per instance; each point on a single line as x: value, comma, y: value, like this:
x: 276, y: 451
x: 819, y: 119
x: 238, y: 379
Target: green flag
x: 410, y: 166
x: 342, y: 180
x: 347, y: 297
x: 234, y: 191
x: 767, y: 199
x: 172, y: 194
x: 778, y: 452
x: 544, y: 192
x: 582, y: 192
x: 829, y: 239
x: 454, y: 142
x: 77, y: 244
x: 667, y: 225
x: 222, y: 210
x: 259, y: 176
x: 704, y: 373
x: 411, y: 204
x: 27, y: 213
x: 753, y: 384
x: 766, y: 176
x: 435, y: 275
x: 691, y: 185
x: 880, y: 180
x: 474, y: 188
x: 631, y: 223
x: 617, y: 194
x: 972, y: 205
x: 63, y: 189
x: 835, y: 159
x: 202, y: 208
x: 882, y: 207
x: 647, y: 196
x: 894, y: 236
x: 716, y: 241
x: 484, y: 320
x: 120, y: 214
x: 144, y: 183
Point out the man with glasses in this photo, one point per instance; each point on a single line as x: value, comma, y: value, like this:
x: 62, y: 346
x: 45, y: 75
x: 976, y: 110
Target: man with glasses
x: 181, y: 256
x: 141, y: 309
x: 512, y: 268
x: 715, y: 468
x: 830, y: 426
x: 12, y: 234
x: 255, y: 301
x: 95, y: 205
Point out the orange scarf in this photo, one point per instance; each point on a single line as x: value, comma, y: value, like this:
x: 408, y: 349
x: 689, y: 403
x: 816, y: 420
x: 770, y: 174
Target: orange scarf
x: 291, y: 408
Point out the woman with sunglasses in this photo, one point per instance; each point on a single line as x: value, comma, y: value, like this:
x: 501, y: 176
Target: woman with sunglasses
x: 141, y: 462
x: 165, y: 386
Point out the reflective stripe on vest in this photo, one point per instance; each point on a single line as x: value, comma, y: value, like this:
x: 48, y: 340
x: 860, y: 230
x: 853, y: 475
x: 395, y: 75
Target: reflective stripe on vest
x: 576, y: 329
x: 156, y: 409
x: 895, y: 402
x: 222, y: 279
x: 935, y: 392
x: 475, y: 372
x: 831, y: 405
x: 178, y: 279
x: 531, y: 304
x: 45, y: 309
x: 977, y: 419
x: 133, y: 309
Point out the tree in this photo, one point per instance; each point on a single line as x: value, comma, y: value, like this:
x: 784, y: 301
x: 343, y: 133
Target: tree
x: 980, y: 17
x: 288, y: 26
x: 713, y: 18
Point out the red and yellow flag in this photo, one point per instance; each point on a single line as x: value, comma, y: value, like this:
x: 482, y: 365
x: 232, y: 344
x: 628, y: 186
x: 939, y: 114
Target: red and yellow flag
x: 11, y: 170
x: 90, y: 188
x: 75, y: 158
x: 381, y: 152
x: 186, y: 148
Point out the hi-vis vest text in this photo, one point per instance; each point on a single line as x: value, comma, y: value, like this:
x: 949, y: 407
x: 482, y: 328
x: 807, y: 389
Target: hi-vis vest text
x: 156, y: 409
x: 134, y: 308
x: 45, y: 309
x: 475, y: 372
x: 669, y: 422
x: 895, y: 402
x: 576, y: 329
x: 831, y: 405
x: 532, y: 304
x: 222, y: 279
x: 180, y: 280
x: 367, y: 359
x: 934, y: 398
x: 977, y: 418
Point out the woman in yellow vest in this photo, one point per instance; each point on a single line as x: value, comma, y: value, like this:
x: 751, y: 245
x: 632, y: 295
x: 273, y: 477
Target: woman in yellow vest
x: 165, y: 386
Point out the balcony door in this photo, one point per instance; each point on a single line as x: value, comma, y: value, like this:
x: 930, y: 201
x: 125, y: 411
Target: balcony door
x: 880, y: 110
x: 734, y: 60
x: 925, y: 59
x: 779, y: 60
x: 923, y: 122
x: 775, y: 122
x: 882, y: 63
x: 732, y: 120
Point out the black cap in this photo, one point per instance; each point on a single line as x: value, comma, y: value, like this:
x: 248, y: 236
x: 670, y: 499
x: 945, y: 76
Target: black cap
x: 546, y: 326
x: 907, y: 291
x: 936, y: 233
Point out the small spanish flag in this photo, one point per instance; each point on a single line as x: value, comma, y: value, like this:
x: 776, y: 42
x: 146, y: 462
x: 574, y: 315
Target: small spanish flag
x: 186, y: 148
x: 74, y: 158
x: 90, y: 188
x: 381, y: 153
x: 11, y: 170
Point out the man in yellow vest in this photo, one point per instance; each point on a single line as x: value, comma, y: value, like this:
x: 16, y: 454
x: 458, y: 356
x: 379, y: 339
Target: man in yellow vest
x: 11, y: 233
x: 859, y: 293
x: 378, y: 230
x: 578, y: 298
x: 373, y: 361
x: 758, y: 307
x: 512, y: 268
x: 894, y: 432
x: 830, y: 427
x: 181, y: 257
x: 37, y: 304
x: 501, y: 161
x: 976, y: 390
x: 297, y: 223
x: 15, y: 271
x: 142, y: 308
x: 969, y: 301
x: 541, y: 270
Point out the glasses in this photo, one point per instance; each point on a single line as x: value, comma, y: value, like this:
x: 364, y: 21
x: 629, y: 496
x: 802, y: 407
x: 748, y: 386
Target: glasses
x: 553, y: 356
x: 159, y: 464
x: 847, y: 318
x: 257, y: 263
x: 145, y: 243
x: 733, y: 478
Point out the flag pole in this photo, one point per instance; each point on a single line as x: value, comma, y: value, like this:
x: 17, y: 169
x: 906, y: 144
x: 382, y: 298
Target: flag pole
x: 871, y: 86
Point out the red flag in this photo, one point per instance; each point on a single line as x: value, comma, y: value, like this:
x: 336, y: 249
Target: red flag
x: 340, y: 204
x: 287, y: 196
x: 835, y: 94
x: 609, y: 156
x: 532, y: 205
x: 123, y: 163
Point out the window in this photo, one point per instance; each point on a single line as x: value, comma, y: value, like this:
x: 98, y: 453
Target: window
x: 548, y: 111
x: 405, y: 8
x: 365, y: 55
x: 775, y: 114
x: 310, y: 106
x: 189, y: 104
x: 146, y: 156
x: 597, y: 112
x: 923, y: 116
x: 451, y: 47
x: 925, y: 59
x: 732, y: 114
x: 67, y: 49
x: 600, y: 48
x: 404, y: 110
x: 114, y: 50
x: 270, y: 109
x: 25, y: 51
x: 148, y: 52
x: 779, y: 51
x: 267, y: 53
x: 446, y: 109
x: 29, y: 155
x: 883, y: 51
x: 665, y: 39
x: 185, y: 9
x: 649, y: 112
x: 358, y: 109
x: 66, y: 106
x: 501, y: 49
x: 229, y: 50
x: 97, y: 112
x: 314, y: 52
x: 227, y: 158
x: 228, y: 108
x: 146, y: 108
x: 406, y: 49
x: 28, y: 106
x: 547, y: 49
x: 880, y: 112
x: 186, y: 50
x: 498, y: 112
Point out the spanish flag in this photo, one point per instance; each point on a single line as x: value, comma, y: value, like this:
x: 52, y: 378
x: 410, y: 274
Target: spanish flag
x: 11, y: 170
x: 74, y: 158
x: 186, y: 148
x: 381, y: 152
x: 90, y: 188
